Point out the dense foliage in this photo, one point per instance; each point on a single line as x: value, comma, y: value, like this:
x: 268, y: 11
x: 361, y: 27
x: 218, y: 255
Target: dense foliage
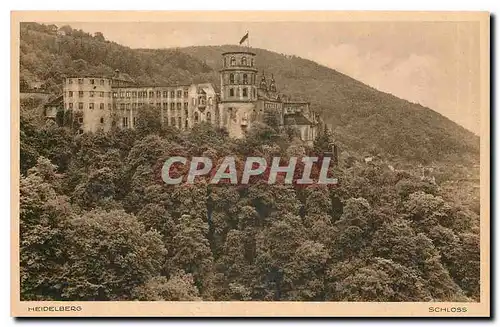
x: 363, y: 118
x: 98, y: 224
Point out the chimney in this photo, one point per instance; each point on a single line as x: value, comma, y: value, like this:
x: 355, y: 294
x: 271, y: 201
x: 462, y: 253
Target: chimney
x: 117, y: 73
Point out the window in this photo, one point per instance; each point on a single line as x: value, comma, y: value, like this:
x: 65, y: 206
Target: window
x: 109, y: 94
x: 102, y: 120
x: 165, y: 94
x: 115, y: 94
x: 91, y: 105
x: 134, y: 120
x: 251, y: 62
x: 151, y: 94
x: 158, y: 94
x: 92, y: 81
x: 179, y: 93
x: 101, y: 82
x: 134, y: 105
x: 209, y: 117
x: 172, y: 106
x: 92, y: 94
x: 245, y: 79
x: 231, y: 92
x: 134, y: 94
x: 80, y: 120
x: 254, y: 93
x: 80, y: 81
x: 231, y: 78
x: 70, y: 93
x: 165, y: 105
x: 70, y: 81
x: 70, y: 105
x: 245, y: 92
x: 128, y: 94
x: 210, y: 101
x: 109, y: 106
x: 243, y: 61
x: 127, y: 106
x: 80, y: 105
x: 233, y: 61
x: 179, y: 106
x: 185, y: 105
x: 196, y: 117
x: 101, y: 94
x: 125, y: 121
x: 122, y: 106
x: 185, y: 93
x: 101, y: 106
x: 122, y: 94
x: 80, y: 94
x: 194, y: 101
x: 225, y: 63
x: 172, y: 94
x: 179, y: 122
x: 186, y: 124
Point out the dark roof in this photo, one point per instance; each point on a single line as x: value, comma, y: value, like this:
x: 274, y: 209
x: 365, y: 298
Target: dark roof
x: 297, y: 119
x: 55, y: 101
x: 138, y: 86
x: 238, y: 52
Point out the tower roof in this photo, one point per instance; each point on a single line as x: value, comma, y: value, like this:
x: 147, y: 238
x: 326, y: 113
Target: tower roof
x: 239, y: 52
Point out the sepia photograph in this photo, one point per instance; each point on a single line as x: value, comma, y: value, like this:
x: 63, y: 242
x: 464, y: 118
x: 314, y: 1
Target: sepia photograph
x: 250, y: 164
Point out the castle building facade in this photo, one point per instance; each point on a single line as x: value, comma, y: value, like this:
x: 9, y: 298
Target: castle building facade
x: 244, y: 98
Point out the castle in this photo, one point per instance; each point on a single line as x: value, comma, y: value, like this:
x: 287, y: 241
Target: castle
x: 244, y: 98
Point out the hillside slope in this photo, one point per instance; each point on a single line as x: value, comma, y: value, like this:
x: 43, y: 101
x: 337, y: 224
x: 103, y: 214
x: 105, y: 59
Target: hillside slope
x: 364, y: 120
x: 362, y: 117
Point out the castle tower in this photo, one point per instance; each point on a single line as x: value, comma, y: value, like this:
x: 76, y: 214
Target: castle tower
x: 238, y: 91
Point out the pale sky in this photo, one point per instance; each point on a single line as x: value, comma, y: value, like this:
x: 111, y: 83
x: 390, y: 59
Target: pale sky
x: 435, y: 64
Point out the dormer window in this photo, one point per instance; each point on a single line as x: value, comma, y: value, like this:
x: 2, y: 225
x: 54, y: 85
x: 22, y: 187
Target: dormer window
x: 244, y: 61
x: 233, y: 61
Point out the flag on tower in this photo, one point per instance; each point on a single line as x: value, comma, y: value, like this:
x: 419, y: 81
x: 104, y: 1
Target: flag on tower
x: 244, y: 38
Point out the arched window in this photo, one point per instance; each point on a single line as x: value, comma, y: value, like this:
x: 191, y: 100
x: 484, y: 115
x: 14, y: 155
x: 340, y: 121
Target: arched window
x: 195, y: 117
x: 233, y: 61
x: 231, y: 78
x: 209, y: 117
x: 245, y: 79
x: 243, y: 61
x: 245, y: 92
x: 231, y: 92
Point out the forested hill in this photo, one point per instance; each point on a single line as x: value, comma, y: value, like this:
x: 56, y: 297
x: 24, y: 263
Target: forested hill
x: 364, y: 120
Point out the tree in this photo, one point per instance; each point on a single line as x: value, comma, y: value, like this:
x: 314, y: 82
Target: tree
x: 109, y: 254
x: 147, y: 120
x: 179, y: 287
x: 43, y: 215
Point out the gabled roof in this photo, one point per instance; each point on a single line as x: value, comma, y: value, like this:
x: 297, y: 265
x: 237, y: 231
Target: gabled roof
x: 297, y: 119
x: 55, y: 101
